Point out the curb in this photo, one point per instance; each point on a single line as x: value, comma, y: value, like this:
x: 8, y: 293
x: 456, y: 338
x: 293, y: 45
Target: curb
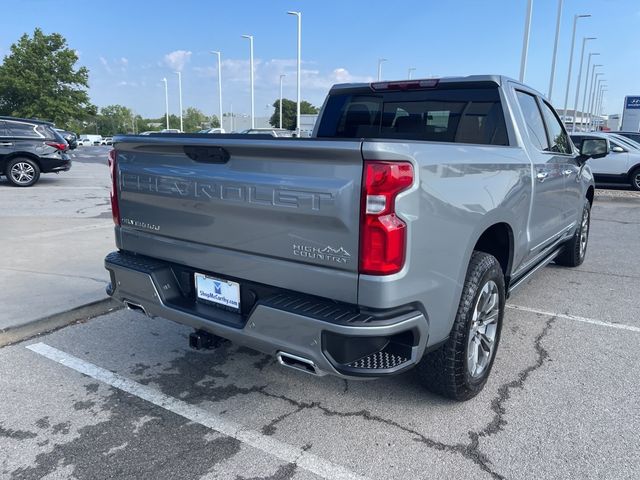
x: 53, y: 322
x: 616, y: 198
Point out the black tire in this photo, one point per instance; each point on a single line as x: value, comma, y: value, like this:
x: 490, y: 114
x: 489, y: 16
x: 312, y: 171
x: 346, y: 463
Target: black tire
x: 635, y: 179
x: 446, y: 371
x: 22, y: 172
x: 574, y: 251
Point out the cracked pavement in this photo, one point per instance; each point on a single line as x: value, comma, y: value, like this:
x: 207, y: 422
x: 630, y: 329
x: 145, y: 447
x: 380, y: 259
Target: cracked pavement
x: 562, y: 400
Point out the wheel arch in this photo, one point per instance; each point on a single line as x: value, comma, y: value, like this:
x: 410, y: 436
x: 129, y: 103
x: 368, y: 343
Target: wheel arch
x: 633, y: 169
x: 19, y: 154
x: 590, y: 194
x: 497, y: 240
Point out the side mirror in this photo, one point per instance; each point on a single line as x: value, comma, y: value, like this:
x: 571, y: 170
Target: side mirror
x: 617, y: 149
x: 593, y: 148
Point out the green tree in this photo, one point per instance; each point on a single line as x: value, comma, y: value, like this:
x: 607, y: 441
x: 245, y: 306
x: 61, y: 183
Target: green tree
x: 38, y: 78
x: 289, y: 113
x: 115, y: 119
x: 194, y: 120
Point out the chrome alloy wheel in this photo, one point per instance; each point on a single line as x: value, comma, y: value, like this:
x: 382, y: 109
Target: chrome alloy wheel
x: 584, y: 232
x: 22, y: 173
x: 484, y: 326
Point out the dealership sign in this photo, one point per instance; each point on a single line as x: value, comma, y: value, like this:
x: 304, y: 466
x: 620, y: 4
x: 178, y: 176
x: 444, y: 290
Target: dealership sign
x: 631, y: 114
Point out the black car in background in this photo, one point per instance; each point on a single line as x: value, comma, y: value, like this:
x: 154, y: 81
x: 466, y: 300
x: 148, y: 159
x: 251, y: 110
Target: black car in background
x: 28, y: 148
x: 70, y: 137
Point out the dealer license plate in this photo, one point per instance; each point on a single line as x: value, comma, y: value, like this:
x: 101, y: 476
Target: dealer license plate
x: 216, y: 290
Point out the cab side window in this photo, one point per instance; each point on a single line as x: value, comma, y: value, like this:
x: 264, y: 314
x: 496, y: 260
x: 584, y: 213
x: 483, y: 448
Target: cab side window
x: 557, y: 134
x: 533, y: 120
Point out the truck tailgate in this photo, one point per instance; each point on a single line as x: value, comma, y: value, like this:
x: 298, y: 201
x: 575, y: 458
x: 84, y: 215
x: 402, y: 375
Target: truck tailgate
x: 281, y: 212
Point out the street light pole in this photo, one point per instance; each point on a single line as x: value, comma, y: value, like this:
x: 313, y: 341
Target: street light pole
x: 299, y: 16
x: 166, y: 100
x: 218, y: 54
x: 555, y: 50
x: 586, y: 83
x: 599, y: 106
x: 253, y: 112
x: 525, y: 42
x: 573, y: 41
x: 281, y: 77
x: 575, y: 103
x: 592, y: 84
x: 411, y: 70
x: 592, y: 97
x: 594, y: 109
x: 380, y: 60
x: 180, y: 96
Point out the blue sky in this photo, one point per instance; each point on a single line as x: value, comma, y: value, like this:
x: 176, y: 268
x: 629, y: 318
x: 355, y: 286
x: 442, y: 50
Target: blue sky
x: 130, y: 46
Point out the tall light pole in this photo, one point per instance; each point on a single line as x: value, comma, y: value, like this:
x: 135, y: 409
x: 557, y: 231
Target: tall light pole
x: 598, y: 109
x: 218, y: 54
x: 166, y: 100
x: 596, y: 93
x: 592, y: 96
x: 380, y: 60
x: 586, y: 83
x: 575, y: 103
x: 596, y: 106
x: 299, y: 16
x: 525, y: 42
x: 573, y: 41
x: 591, y: 85
x: 555, y: 50
x: 253, y: 111
x: 180, y: 96
x: 411, y: 70
x: 281, y: 77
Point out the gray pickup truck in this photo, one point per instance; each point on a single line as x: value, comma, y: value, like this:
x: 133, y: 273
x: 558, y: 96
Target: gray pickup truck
x: 388, y: 240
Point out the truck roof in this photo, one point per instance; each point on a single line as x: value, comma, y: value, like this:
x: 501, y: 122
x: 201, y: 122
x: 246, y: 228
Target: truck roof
x: 459, y: 80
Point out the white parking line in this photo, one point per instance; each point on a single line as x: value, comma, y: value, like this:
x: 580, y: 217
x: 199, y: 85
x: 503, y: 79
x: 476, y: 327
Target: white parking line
x: 270, y: 445
x: 601, y: 323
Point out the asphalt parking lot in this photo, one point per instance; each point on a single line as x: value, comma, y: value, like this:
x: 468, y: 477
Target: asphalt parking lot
x: 122, y: 395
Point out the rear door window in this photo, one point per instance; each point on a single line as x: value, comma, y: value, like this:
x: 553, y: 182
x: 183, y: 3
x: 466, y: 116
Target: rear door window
x: 557, y: 134
x: 459, y: 115
x: 533, y: 120
x: 22, y: 130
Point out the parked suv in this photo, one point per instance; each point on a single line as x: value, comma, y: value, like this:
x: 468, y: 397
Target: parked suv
x: 30, y: 147
x: 622, y: 165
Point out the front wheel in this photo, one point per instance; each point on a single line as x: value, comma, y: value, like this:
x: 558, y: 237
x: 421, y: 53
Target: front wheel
x: 575, y: 250
x: 460, y: 368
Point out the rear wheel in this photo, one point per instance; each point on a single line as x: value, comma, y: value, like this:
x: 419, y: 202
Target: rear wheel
x: 635, y: 179
x: 22, y: 172
x: 575, y: 249
x: 459, y: 369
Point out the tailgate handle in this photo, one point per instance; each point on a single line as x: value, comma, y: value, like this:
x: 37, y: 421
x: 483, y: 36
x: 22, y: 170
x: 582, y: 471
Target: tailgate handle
x: 206, y: 154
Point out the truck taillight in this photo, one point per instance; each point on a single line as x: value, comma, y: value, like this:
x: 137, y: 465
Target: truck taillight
x: 383, y: 235
x: 113, y: 167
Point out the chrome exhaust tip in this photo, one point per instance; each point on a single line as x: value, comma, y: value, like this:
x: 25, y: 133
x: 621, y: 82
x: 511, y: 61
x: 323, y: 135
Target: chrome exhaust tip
x: 134, y: 306
x: 297, y: 363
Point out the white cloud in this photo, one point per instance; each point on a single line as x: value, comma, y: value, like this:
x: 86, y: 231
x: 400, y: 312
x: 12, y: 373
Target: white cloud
x: 105, y: 64
x: 125, y: 83
x: 119, y: 64
x: 268, y: 72
x: 177, y: 60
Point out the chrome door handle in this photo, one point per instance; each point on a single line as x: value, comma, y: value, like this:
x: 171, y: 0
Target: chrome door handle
x: 5, y: 144
x: 542, y: 175
x: 567, y: 172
